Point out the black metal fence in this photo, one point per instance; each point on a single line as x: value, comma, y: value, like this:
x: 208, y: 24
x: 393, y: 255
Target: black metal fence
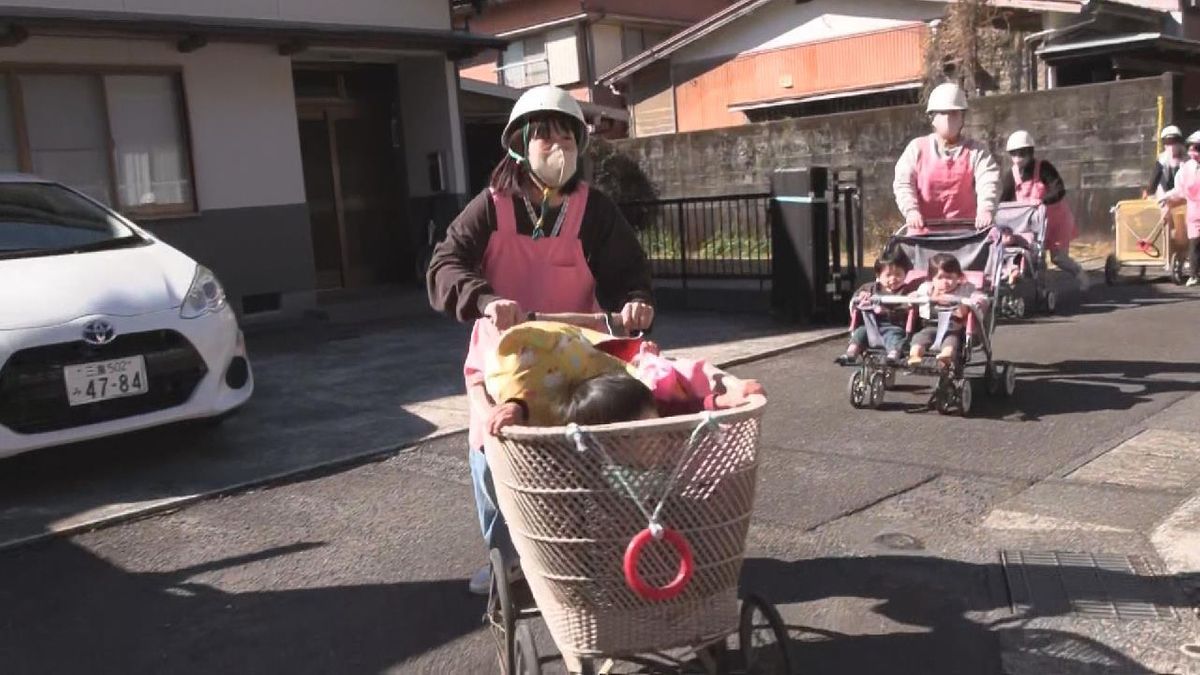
x: 721, y: 237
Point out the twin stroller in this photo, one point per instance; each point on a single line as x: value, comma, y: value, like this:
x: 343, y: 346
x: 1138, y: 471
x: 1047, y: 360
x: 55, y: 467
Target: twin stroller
x: 984, y: 260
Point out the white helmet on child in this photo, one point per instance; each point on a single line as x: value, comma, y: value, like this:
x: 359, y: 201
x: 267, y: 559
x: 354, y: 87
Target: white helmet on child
x: 946, y: 97
x: 545, y: 98
x: 1019, y: 141
x: 1194, y: 139
x: 1170, y: 131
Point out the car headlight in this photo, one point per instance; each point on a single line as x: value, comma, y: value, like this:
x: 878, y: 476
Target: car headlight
x: 206, y: 295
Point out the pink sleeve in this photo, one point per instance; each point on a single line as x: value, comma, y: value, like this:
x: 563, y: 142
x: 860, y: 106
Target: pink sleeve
x: 673, y: 379
x: 692, y: 372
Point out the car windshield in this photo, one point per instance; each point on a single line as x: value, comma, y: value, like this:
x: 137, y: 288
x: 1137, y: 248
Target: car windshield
x: 38, y: 219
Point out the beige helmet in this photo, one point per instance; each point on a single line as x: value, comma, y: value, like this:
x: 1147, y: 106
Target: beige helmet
x: 545, y: 98
x: 1170, y: 131
x: 946, y: 97
x: 1194, y: 139
x: 1019, y: 141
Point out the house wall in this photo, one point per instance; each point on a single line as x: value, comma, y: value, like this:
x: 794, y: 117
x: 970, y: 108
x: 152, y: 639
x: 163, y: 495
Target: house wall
x: 1101, y: 137
x: 245, y: 152
x: 523, y: 13
x: 784, y: 23
x: 408, y: 13
x: 705, y: 90
x: 520, y: 14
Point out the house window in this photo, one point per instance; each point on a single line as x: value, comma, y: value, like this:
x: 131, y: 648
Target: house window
x: 552, y: 58
x: 634, y: 41
x: 524, y: 63
x: 118, y: 137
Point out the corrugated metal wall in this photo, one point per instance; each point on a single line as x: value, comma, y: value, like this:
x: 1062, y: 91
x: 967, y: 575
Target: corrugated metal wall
x: 869, y: 60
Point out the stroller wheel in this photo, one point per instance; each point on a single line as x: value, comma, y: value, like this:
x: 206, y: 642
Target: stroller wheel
x: 889, y: 379
x: 964, y: 391
x: 1112, y: 269
x: 502, y: 614
x: 1018, y: 307
x: 943, y: 398
x: 525, y: 655
x: 859, y: 390
x: 878, y: 387
x: 763, y: 638
x: 992, y: 384
x: 1051, y: 302
x: 1008, y: 379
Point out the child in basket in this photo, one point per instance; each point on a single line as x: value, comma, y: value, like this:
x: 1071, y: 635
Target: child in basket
x: 945, y: 286
x: 890, y: 272
x: 540, y: 367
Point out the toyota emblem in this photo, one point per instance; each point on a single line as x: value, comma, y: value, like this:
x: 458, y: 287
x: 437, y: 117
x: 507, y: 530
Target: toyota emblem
x: 98, y: 332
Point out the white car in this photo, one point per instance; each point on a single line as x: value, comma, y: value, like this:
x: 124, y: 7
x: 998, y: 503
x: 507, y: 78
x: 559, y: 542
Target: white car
x: 103, y: 328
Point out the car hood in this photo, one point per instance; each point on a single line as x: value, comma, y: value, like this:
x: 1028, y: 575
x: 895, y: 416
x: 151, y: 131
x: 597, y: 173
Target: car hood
x: 52, y: 290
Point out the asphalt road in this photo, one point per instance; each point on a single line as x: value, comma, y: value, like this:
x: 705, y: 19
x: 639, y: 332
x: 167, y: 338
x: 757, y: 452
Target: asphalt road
x: 362, y: 571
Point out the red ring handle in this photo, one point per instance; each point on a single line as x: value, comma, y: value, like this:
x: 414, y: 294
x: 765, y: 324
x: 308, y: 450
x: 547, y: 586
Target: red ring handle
x: 658, y: 593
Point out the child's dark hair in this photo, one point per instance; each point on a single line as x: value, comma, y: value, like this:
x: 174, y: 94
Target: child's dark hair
x: 892, y: 260
x: 945, y: 263
x: 609, y: 398
x: 509, y: 174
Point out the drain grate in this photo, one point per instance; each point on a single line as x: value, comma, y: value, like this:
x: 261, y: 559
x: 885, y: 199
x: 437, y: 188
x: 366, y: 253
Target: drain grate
x: 1098, y: 585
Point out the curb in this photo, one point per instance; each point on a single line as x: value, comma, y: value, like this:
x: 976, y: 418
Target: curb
x: 316, y: 469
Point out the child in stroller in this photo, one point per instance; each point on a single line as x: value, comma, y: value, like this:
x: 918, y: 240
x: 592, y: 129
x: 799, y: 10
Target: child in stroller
x: 890, y: 272
x: 946, y: 287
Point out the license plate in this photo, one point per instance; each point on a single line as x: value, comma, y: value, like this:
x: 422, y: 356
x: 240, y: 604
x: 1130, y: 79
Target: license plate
x: 105, y: 380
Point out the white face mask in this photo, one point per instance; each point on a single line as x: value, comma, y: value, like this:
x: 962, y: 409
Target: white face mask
x: 554, y: 168
x: 947, y: 126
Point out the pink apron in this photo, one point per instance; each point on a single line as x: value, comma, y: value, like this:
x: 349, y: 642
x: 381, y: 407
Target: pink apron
x: 547, y: 275
x: 1187, y: 185
x: 1060, y: 222
x: 945, y: 185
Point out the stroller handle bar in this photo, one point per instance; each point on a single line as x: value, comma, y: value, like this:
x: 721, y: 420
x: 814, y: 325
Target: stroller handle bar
x: 915, y: 300
x: 606, y: 322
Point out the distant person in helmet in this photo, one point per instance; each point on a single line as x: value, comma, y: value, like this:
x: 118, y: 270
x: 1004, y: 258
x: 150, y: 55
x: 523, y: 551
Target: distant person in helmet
x: 538, y: 239
x: 945, y: 175
x: 1036, y: 180
x: 1187, y: 191
x: 1173, y: 156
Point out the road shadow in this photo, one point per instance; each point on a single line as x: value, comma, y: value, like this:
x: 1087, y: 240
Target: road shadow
x: 1101, y: 299
x: 1085, y: 386
x: 930, y: 602
x: 69, y: 611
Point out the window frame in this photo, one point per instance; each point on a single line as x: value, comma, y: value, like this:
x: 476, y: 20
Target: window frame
x: 504, y: 66
x: 11, y: 72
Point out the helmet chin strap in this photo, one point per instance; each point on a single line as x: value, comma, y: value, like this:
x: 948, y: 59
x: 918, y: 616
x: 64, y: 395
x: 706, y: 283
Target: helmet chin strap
x: 547, y: 191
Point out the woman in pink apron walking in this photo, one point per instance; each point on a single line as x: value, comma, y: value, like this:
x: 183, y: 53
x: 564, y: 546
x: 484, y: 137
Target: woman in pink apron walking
x: 1187, y: 191
x: 538, y: 239
x: 1036, y: 180
x: 945, y: 175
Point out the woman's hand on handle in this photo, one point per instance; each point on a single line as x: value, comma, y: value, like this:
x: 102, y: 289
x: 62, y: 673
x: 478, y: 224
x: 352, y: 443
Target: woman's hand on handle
x: 503, y: 314
x: 637, y: 316
x: 914, y: 222
x: 984, y: 220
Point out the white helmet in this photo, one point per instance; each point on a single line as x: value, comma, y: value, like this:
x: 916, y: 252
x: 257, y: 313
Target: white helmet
x: 545, y: 98
x: 1194, y: 139
x: 1019, y: 141
x: 946, y: 97
x: 1169, y: 131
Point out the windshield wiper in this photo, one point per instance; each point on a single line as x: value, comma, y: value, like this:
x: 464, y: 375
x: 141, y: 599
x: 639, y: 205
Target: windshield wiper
x: 105, y: 245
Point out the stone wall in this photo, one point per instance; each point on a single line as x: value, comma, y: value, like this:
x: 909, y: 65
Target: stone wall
x: 1101, y: 137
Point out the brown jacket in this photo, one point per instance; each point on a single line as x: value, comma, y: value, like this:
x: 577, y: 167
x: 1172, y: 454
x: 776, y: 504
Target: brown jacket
x: 614, y: 255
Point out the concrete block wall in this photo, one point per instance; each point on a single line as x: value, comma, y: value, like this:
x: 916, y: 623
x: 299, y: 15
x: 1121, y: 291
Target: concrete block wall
x: 1101, y: 137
